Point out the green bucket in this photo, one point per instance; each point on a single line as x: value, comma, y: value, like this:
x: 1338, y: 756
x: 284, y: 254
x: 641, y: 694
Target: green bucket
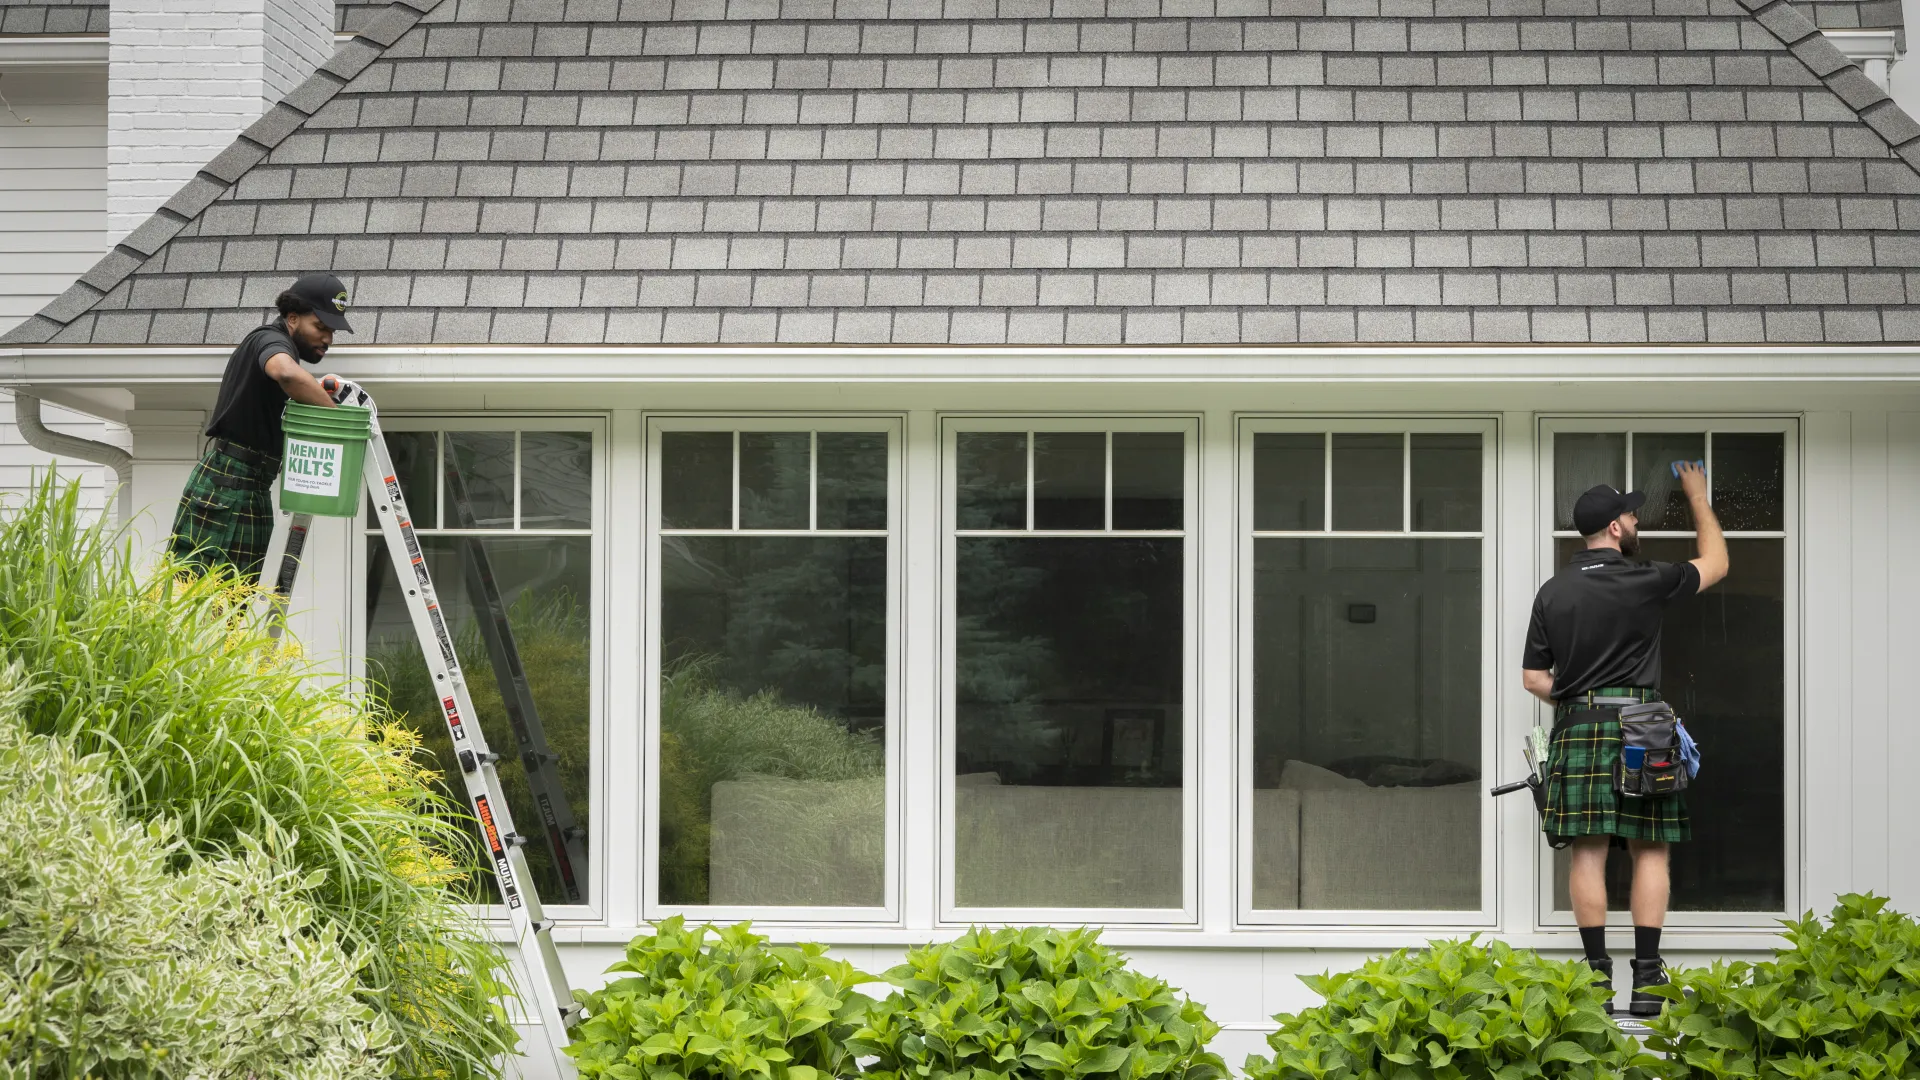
x: 320, y: 470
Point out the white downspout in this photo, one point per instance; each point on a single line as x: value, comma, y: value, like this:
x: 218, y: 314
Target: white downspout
x: 26, y: 416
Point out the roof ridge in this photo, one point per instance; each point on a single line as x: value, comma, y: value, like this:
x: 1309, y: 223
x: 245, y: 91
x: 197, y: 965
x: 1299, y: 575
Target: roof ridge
x: 218, y: 176
x: 1868, y: 100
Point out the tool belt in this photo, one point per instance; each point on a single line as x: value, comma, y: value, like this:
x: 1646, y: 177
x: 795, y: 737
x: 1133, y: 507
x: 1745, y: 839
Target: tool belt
x: 1650, y: 736
x: 247, y: 456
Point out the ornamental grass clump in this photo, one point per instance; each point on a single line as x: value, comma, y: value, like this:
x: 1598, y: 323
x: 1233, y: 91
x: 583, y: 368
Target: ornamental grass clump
x: 203, y: 721
x: 1841, y: 1000
x: 702, y: 1003
x: 1033, y: 1004
x: 1455, y: 1009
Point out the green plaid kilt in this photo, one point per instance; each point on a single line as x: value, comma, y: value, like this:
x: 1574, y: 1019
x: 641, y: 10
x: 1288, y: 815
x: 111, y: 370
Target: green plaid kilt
x: 1580, y: 796
x: 226, y: 512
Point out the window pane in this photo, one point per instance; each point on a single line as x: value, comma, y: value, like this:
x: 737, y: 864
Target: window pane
x: 484, y: 461
x: 1368, y: 477
x: 853, y: 480
x: 1748, y: 481
x: 1149, y: 479
x: 545, y: 584
x: 556, y: 480
x: 1581, y: 460
x: 773, y: 720
x: 775, y: 479
x: 1289, y: 482
x: 1723, y: 666
x: 414, y: 462
x: 1653, y: 456
x: 1367, y: 672
x: 1068, y: 664
x: 1070, y: 480
x: 1446, y: 483
x: 696, y: 480
x: 992, y: 466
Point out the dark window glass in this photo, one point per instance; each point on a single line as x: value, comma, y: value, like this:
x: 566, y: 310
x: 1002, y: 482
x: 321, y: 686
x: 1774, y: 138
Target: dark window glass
x: 1068, y: 665
x: 1149, y: 480
x: 1582, y: 459
x: 1446, y: 483
x: 483, y: 461
x: 556, y: 480
x: 992, y: 467
x: 414, y: 460
x: 1653, y: 456
x: 1368, y: 478
x: 1367, y: 719
x: 853, y: 480
x: 1748, y: 481
x: 1289, y: 482
x: 775, y: 479
x: 1070, y: 480
x: 696, y: 480
x: 1723, y: 666
x: 773, y: 720
x: 545, y: 584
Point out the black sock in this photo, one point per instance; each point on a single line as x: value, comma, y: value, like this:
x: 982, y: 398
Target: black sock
x: 1646, y: 943
x: 1594, y: 940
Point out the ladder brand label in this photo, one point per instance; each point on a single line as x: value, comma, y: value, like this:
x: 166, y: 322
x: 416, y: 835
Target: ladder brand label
x: 501, y: 867
x: 312, y: 468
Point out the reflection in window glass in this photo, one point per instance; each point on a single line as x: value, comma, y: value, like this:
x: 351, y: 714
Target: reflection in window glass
x: 1070, y: 480
x: 1149, y: 479
x: 1723, y: 664
x: 415, y: 459
x: 1446, y: 472
x: 853, y: 480
x: 775, y: 479
x: 696, y: 480
x: 992, y: 467
x: 1289, y: 482
x: 1653, y: 456
x: 484, y: 460
x: 556, y: 470
x: 1068, y: 665
x: 1367, y: 679
x: 1368, y: 476
x: 1581, y: 460
x: 1748, y: 480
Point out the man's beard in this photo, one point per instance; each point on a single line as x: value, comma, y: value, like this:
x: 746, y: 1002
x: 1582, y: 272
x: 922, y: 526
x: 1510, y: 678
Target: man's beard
x: 308, y: 352
x: 1630, y: 543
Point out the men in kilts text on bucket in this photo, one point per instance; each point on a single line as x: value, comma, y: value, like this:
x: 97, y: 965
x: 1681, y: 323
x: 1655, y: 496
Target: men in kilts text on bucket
x: 1594, y: 646
x: 226, y: 512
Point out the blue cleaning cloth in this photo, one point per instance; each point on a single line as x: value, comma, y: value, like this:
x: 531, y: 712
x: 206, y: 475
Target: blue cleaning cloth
x: 1689, y: 752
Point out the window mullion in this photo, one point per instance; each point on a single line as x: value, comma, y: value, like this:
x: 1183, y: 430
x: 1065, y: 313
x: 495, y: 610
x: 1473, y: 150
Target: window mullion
x: 1030, y: 518
x: 736, y: 481
x: 1326, y: 494
x: 813, y: 480
x: 1406, y: 481
x: 1109, y: 492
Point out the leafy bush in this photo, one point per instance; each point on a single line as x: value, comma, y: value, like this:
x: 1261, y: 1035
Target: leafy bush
x: 1453, y: 1009
x: 1035, y: 1003
x: 111, y: 964
x: 203, y: 721
x: 706, y: 1004
x: 1842, y: 1000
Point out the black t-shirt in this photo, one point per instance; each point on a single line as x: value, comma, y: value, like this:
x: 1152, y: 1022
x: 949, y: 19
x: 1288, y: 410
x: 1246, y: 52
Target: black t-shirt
x: 250, y: 402
x: 1597, y: 622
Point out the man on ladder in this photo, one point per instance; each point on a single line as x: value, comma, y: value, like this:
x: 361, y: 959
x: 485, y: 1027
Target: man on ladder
x: 226, y: 511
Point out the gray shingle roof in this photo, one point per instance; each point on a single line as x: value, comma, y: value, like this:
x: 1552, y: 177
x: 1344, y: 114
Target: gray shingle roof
x: 1081, y: 171
x: 1855, y: 14
x: 53, y: 17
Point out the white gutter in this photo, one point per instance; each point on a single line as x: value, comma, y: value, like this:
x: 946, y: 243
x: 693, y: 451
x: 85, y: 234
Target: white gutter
x: 26, y: 416
x: 49, y: 50
x: 1876, y: 51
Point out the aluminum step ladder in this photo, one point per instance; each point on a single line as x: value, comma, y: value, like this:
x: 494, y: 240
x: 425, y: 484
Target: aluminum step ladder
x: 486, y: 798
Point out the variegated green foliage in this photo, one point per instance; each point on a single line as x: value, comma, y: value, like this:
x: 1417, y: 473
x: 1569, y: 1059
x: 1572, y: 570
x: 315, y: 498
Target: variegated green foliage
x: 1455, y: 1010
x: 710, y: 1004
x: 115, y: 964
x: 1033, y: 1004
x: 1841, y: 1001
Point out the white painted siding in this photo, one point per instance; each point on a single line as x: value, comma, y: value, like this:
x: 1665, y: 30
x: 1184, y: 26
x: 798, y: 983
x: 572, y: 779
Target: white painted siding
x: 21, y: 465
x: 53, y: 184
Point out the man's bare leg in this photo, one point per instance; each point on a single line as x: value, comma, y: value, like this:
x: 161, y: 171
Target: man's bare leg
x: 1651, y: 884
x: 1587, y: 881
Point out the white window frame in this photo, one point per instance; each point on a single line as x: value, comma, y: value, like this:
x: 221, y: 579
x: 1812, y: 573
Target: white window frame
x: 951, y: 425
x: 366, y: 538
x: 1488, y: 428
x: 893, y: 425
x: 1793, y: 733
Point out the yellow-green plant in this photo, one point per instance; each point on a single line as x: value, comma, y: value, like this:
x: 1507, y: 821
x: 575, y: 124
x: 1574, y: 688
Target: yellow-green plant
x: 114, y: 963
x: 1841, y: 1000
x: 201, y: 720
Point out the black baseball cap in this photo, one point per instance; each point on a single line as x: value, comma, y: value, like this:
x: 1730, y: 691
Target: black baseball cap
x: 327, y: 296
x: 1600, y: 504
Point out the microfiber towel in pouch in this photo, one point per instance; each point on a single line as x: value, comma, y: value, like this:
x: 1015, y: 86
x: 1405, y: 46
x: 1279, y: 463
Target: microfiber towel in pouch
x: 1689, y: 751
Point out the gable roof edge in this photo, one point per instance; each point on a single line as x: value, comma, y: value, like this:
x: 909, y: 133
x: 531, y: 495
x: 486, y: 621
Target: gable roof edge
x: 1872, y: 104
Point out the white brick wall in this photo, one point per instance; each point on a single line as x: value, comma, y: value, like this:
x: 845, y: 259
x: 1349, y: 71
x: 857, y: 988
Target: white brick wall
x: 186, y: 77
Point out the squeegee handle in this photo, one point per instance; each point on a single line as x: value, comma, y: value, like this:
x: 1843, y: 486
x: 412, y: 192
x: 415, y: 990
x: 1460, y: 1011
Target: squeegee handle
x: 1508, y: 789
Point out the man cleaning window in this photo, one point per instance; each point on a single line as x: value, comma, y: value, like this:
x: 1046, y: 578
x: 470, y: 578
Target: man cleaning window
x: 1593, y: 653
x: 226, y: 511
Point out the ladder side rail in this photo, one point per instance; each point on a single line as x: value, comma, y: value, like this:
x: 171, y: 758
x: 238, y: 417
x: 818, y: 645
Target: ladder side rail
x: 299, y: 527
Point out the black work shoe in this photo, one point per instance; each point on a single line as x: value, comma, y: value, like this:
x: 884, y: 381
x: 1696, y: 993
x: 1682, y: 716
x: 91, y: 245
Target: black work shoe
x: 1652, y: 972
x: 1605, y: 985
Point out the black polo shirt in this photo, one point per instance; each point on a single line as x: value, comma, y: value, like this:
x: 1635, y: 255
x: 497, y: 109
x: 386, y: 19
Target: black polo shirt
x: 1597, y: 622
x: 250, y: 402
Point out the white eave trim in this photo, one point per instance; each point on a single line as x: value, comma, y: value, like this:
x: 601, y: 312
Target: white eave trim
x: 51, y: 50
x: 1876, y: 51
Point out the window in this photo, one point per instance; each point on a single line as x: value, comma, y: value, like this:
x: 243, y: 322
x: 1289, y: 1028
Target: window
x: 1070, y: 671
x: 1725, y: 657
x: 1366, y: 668
x: 505, y: 519
x: 773, y: 552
